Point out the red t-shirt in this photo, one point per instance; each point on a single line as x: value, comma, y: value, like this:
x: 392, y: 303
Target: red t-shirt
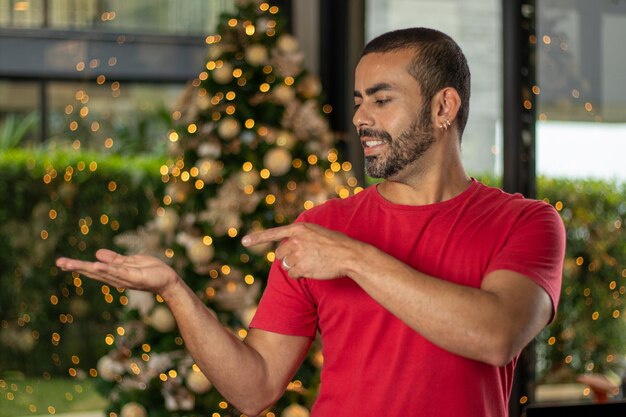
x: 374, y: 364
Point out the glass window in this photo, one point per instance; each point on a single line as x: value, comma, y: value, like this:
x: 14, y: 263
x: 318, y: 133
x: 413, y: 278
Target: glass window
x: 72, y: 14
x: 128, y: 118
x: 19, y: 115
x: 581, y: 143
x: 477, y: 29
x: 123, y: 117
x: 581, y: 60
x: 21, y: 14
x: 189, y: 17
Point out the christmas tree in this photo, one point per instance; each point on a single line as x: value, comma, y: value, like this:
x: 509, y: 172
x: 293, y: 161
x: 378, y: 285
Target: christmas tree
x: 250, y: 148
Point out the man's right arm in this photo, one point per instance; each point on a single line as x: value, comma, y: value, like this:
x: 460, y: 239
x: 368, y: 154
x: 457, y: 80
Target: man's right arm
x: 251, y: 374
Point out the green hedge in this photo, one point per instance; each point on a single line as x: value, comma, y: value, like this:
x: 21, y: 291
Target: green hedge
x: 45, y: 200
x: 62, y: 204
x: 589, y: 332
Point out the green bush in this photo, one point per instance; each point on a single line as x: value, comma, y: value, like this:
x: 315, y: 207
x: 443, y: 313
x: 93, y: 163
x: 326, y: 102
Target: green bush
x: 589, y: 332
x: 63, y: 204
x: 60, y: 204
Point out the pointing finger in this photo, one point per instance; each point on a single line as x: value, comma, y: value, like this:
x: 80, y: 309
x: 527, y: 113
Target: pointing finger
x: 274, y: 234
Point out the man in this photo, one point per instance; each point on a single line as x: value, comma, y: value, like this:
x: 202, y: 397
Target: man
x: 424, y: 288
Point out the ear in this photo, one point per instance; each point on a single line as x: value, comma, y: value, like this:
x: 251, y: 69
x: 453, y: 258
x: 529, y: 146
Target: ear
x: 446, y: 104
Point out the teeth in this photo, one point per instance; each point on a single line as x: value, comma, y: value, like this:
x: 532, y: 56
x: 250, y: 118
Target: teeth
x: 374, y: 142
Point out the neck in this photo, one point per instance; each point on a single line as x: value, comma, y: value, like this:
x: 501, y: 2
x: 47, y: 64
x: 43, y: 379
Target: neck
x: 438, y: 176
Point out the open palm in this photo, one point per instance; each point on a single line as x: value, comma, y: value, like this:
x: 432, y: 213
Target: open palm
x: 138, y: 272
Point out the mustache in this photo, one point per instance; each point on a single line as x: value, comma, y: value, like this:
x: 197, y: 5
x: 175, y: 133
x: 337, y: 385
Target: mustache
x: 378, y: 134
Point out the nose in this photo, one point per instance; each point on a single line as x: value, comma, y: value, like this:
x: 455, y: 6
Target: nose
x: 361, y: 118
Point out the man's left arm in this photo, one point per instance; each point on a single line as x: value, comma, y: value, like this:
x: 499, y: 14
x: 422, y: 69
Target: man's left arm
x: 490, y: 324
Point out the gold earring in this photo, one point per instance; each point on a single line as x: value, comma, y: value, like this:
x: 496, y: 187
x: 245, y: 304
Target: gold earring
x: 444, y: 125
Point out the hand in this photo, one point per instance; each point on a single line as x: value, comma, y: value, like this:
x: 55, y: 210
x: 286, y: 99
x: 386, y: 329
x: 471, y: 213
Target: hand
x: 138, y: 272
x: 308, y: 250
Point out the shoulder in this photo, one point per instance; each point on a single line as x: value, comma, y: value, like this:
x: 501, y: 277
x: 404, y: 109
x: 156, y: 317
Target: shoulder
x: 336, y: 209
x: 515, y: 215
x: 518, y: 216
x: 515, y: 204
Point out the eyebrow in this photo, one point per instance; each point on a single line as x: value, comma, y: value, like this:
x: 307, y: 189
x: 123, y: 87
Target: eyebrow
x: 374, y: 89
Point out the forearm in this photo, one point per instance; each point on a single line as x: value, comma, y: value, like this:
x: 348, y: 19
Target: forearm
x: 491, y: 323
x: 237, y: 370
x: 471, y: 322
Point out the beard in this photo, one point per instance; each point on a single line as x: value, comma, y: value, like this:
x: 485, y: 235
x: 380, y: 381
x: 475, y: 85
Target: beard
x: 409, y: 146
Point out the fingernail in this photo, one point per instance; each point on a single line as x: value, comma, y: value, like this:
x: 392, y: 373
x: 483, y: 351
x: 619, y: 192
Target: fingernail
x: 246, y: 241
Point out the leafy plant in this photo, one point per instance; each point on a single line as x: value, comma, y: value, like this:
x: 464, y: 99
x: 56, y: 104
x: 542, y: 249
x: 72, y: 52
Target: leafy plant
x: 589, y: 331
x: 15, y: 129
x: 62, y: 204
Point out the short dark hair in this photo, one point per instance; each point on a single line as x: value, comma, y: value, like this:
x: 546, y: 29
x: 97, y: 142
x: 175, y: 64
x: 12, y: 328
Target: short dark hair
x: 438, y: 63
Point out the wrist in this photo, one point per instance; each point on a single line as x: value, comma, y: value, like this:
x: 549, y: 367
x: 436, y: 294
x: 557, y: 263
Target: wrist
x: 172, y: 288
x: 358, y: 257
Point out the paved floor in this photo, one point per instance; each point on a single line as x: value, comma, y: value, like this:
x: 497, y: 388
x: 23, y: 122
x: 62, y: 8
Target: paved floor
x: 79, y: 414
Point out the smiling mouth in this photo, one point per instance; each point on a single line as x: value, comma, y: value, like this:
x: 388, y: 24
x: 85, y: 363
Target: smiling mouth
x: 371, y: 143
x: 373, y: 147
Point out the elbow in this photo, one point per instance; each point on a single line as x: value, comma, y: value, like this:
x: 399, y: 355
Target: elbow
x: 252, y: 412
x: 500, y: 352
x: 252, y: 407
x: 500, y: 359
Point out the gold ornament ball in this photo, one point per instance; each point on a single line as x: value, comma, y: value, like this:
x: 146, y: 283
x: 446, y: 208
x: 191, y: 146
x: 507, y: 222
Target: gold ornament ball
x: 288, y: 43
x: 283, y: 94
x: 109, y: 369
x: 162, y: 319
x: 261, y: 24
x: 310, y: 87
x: 199, y: 253
x: 211, y: 149
x: 295, y: 410
x: 215, y: 51
x: 256, y: 55
x: 248, y: 178
x: 209, y: 170
x: 133, y: 409
x: 247, y: 315
x: 203, y: 102
x: 178, y: 190
x: 168, y: 221
x: 197, y: 382
x: 142, y: 301
x: 223, y: 74
x: 278, y: 161
x: 318, y: 359
x: 286, y: 138
x: 229, y: 128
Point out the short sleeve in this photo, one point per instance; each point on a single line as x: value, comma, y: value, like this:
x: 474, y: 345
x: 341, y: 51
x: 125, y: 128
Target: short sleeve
x: 286, y: 307
x: 536, y: 248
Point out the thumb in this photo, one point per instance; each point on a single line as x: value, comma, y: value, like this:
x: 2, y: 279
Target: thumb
x: 109, y: 256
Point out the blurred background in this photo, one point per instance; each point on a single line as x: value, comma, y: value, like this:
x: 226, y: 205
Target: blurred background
x: 95, y: 94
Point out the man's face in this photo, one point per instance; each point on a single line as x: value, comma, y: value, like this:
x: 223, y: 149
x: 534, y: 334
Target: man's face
x: 390, y: 117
